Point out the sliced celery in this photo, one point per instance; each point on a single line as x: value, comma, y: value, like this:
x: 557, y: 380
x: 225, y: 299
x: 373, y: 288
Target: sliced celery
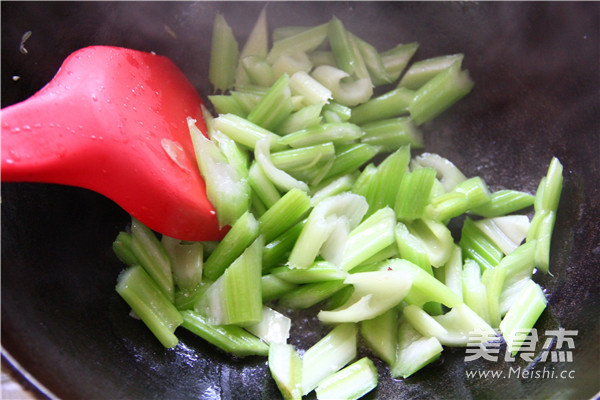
x: 306, y: 40
x: 291, y: 64
x: 385, y: 183
x: 420, y: 72
x: 351, y: 383
x: 468, y: 194
x: 262, y: 186
x: 225, y: 104
x: 320, y: 271
x: 309, y: 88
x: 274, y: 107
x: 373, y: 62
x: 276, y: 251
x: 507, y: 232
x: 273, y: 328
x: 303, y: 157
x: 306, y: 117
x: 122, y: 246
x: 423, y: 323
x: 449, y: 175
x: 347, y: 56
x: 186, y: 260
x: 436, y: 238
x: 412, y: 248
x: 223, y: 55
x: 392, y: 133
x: 504, y: 202
x: 476, y: 245
x: 286, y: 369
x: 243, y: 131
x: 274, y: 287
x: 453, y: 271
x: 381, y: 334
x: 324, y: 133
x: 259, y: 72
x: 397, y: 58
x: 414, y: 193
x: 464, y: 326
x: 348, y: 93
x: 335, y: 112
x: 281, y: 179
x: 391, y: 104
x: 148, y: 302
x: 230, y: 338
x: 350, y: 157
x: 283, y: 214
x: 518, y: 267
x: 414, y: 351
x: 493, y: 280
x: 331, y: 187
x: 305, y: 296
x: 256, y: 45
x: 475, y: 293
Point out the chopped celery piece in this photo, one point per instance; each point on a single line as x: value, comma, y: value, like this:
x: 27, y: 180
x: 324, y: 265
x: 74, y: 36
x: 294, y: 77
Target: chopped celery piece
x: 153, y: 257
x: 347, y: 56
x: 305, y: 296
x: 384, y: 185
x: 309, y: 88
x: 329, y: 132
x: 391, y: 104
x: 246, y: 100
x: 236, y: 296
x: 223, y: 55
x: 259, y: 72
x: 243, y: 232
x: 475, y: 293
x: 304, y: 118
x: 225, y: 104
x: 397, y: 58
x: 518, y: 266
x: 423, y: 323
x: 274, y: 107
x: 275, y: 252
x: 274, y: 287
x: 281, y: 179
x: 374, y: 293
x: 286, y: 369
x: 283, y: 32
x: 331, y: 188
x: 320, y: 271
x: 466, y: 195
x: 262, y: 186
x: 336, y: 112
x: 186, y: 260
x: 350, y: 383
x: 122, y: 246
x: 436, y: 238
x: 448, y: 174
x: 230, y: 338
x: 476, y: 245
x: 463, y: 326
x: 414, y: 193
x: 243, y: 131
x: 149, y: 303
x: 381, y: 334
x: 292, y: 63
x: 348, y: 93
x: 349, y: 158
x: 504, y: 202
x: 226, y: 189
x: 522, y: 316
x: 256, y: 45
x: 414, y: 351
x: 493, y: 279
x: 411, y: 248
x: 347, y: 207
x: 235, y: 155
x: 363, y: 181
x: 453, y: 271
x: 506, y: 232
x: 303, y: 157
x: 392, y: 133
x: 328, y: 355
x: 439, y: 93
x: 306, y: 40
x: 273, y: 328
x: 321, y: 57
x: 420, y: 72
x: 283, y: 214
x: 373, y: 62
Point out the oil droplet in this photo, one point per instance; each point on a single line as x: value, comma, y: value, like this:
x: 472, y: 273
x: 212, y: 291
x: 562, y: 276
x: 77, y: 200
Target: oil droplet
x: 94, y: 97
x: 16, y: 129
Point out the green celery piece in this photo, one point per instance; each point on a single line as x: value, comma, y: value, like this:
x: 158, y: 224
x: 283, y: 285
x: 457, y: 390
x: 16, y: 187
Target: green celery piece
x: 259, y: 71
x: 421, y: 72
x: 386, y: 181
x: 518, y: 266
x: 237, y: 157
x: 468, y: 194
x: 414, y: 351
x: 223, y: 55
x: 273, y: 328
x: 374, y: 63
x: 552, y: 186
x: 507, y: 232
x: 350, y: 383
x: 185, y: 299
x: 391, y: 104
x: 153, y: 257
x: 336, y: 132
x: 307, y: 295
x: 453, y: 271
x: 381, y: 334
x: 411, y: 248
x: 439, y: 93
x: 291, y: 64
x: 334, y: 351
x: 397, y: 58
x: 256, y: 45
x: 504, y: 202
x: 337, y: 112
x: 187, y: 260
x: 347, y: 57
x: 230, y: 338
x: 423, y: 323
x: 225, y: 103
x: 321, y: 57
x: 461, y: 324
x: 303, y: 157
x: 149, y: 303
x: 257, y: 206
x: 392, y: 133
x: 476, y: 245
x: 320, y: 271
x: 241, y: 235
x: 449, y: 175
x: 304, y: 118
x: 236, y: 296
x: 493, y: 280
x: 522, y: 316
x: 286, y: 369
x: 276, y: 251
x: 475, y: 293
x: 331, y: 187
x: 246, y: 100
x: 274, y: 107
x: 344, y: 89
x: 436, y: 238
x: 363, y: 181
x: 349, y: 158
x: 281, y: 179
x: 283, y: 32
x: 306, y: 40
x: 414, y: 193
x: 338, y: 299
x: 122, y: 247
x: 261, y: 186
x: 283, y: 214
x: 244, y: 132
x: 274, y: 287
x: 313, y: 92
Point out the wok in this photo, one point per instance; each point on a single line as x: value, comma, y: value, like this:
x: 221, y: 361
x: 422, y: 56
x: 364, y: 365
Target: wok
x: 537, y: 93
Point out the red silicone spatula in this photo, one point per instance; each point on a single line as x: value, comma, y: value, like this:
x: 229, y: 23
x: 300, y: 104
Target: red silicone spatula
x: 113, y: 120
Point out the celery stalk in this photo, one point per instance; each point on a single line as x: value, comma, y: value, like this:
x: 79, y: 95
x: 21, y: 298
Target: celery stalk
x: 256, y: 45
x: 307, y: 295
x: 392, y: 133
x: 283, y: 214
x: 423, y: 71
x: 504, y: 202
x: 223, y: 55
x: 414, y: 351
x: 351, y: 383
x: 286, y: 368
x: 122, y: 246
x: 273, y: 328
x: 274, y: 287
x: 281, y: 179
x: 348, y: 93
x: 186, y: 260
x: 381, y: 333
x: 349, y: 158
x: 261, y: 186
x: 391, y: 104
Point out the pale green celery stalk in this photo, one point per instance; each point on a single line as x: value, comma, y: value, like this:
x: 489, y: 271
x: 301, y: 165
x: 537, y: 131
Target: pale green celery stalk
x: 421, y: 72
x: 247, y: 101
x: 414, y: 351
x: 543, y: 238
x: 257, y: 44
x: 292, y: 63
x: 329, y: 132
x: 306, y: 40
x: 122, y: 247
x: 283, y: 32
x: 321, y: 57
x: 286, y: 369
x: 373, y: 62
x: 313, y: 92
x: 259, y: 72
x: 425, y: 288
x: 237, y: 157
x: 363, y: 182
x: 153, y: 257
x: 328, y: 355
x: 223, y: 56
x: 436, y: 237
x: 277, y: 251
x: 464, y: 326
x: 314, y: 173
x: 185, y: 299
x: 226, y: 189
x: 423, y: 323
x: 475, y: 293
x: 414, y: 193
x: 331, y: 187
x: 390, y: 251
x: 438, y: 94
x: 338, y: 299
x: 392, y: 133
x: 344, y: 91
x: 453, y: 271
x: 493, y: 279
x: 250, y: 89
x: 370, y: 237
x: 477, y: 245
x: 236, y: 296
x: 230, y: 338
x: 397, y: 58
x: 347, y: 58
x: 257, y: 206
x: 243, y: 131
x: 242, y: 233
x: 349, y: 158
x: 149, y: 303
x: 466, y: 195
x: 519, y: 266
x: 306, y: 117
x: 504, y: 202
x: 275, y: 106
x: 351, y: 383
x: 448, y: 174
x: 386, y: 181
x: 281, y: 179
x: 307, y: 295
x: 411, y: 248
x: 187, y: 260
x: 274, y: 287
x: 342, y: 113
x: 522, y: 316
x: 264, y: 189
x: 273, y: 328
x: 507, y: 232
x: 301, y: 157
x: 381, y: 334
x: 391, y: 104
x: 552, y: 186
x: 320, y: 271
x: 283, y: 214
x: 227, y: 104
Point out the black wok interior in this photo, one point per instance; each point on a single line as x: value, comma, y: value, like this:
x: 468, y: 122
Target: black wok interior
x: 536, y: 68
